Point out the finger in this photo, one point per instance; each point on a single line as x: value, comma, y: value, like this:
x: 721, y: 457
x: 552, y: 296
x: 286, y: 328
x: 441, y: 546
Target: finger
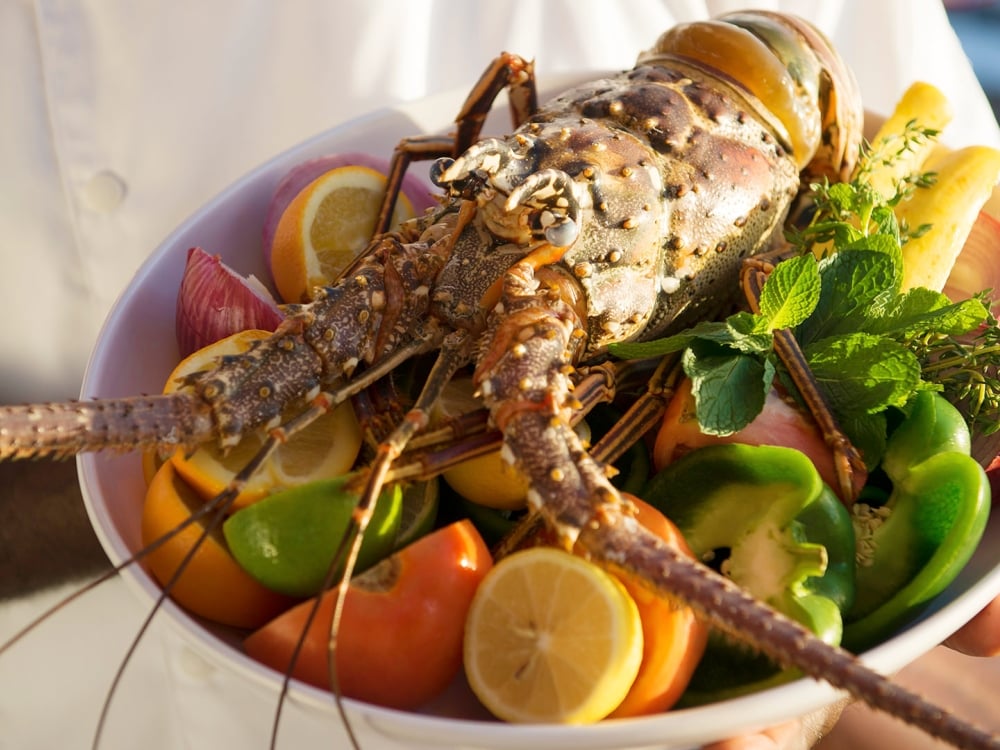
x: 772, y: 738
x: 981, y: 635
x: 797, y: 734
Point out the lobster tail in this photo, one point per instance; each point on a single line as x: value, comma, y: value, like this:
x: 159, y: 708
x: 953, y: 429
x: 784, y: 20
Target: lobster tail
x: 793, y: 79
x: 60, y: 430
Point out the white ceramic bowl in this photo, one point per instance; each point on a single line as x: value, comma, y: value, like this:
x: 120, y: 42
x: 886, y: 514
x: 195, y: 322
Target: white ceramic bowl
x: 136, y: 351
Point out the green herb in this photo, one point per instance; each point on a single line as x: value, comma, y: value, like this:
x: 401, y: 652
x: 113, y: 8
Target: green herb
x: 968, y: 370
x: 869, y: 345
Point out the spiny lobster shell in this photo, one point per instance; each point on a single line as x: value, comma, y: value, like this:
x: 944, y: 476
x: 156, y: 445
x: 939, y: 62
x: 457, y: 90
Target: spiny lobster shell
x: 142, y: 320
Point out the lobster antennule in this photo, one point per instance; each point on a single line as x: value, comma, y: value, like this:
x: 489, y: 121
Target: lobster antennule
x: 62, y: 429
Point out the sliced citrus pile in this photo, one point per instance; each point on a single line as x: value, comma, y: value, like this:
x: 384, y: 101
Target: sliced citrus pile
x: 327, y: 448
x: 325, y: 228
x: 551, y: 637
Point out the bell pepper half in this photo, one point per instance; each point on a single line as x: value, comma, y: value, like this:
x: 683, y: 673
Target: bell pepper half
x: 912, y: 545
x: 764, y: 517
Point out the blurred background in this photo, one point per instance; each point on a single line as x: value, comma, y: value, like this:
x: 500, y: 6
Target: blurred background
x: 978, y: 26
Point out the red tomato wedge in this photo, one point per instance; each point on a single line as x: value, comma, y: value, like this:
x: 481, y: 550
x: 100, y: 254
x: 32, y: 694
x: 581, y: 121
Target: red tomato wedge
x: 778, y: 424
x: 400, y: 639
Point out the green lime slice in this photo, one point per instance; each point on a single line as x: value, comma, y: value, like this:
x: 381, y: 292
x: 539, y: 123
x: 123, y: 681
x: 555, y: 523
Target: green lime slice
x: 492, y: 523
x: 419, y: 513
x: 288, y: 540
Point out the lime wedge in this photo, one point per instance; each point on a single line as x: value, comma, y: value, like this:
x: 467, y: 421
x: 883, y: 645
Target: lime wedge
x: 419, y: 512
x: 492, y: 523
x: 288, y: 540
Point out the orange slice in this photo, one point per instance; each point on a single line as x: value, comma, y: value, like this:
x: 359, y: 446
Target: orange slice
x: 326, y: 226
x: 325, y: 449
x: 213, y: 585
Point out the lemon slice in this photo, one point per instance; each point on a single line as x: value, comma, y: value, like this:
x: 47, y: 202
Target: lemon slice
x: 326, y: 226
x: 325, y: 449
x: 488, y: 479
x: 551, y: 637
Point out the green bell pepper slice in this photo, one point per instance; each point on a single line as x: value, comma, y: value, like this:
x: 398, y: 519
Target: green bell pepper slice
x: 912, y: 546
x: 785, y: 536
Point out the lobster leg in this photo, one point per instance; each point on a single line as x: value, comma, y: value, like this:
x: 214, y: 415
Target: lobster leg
x: 847, y: 460
x: 522, y: 379
x: 505, y: 71
x: 454, y: 353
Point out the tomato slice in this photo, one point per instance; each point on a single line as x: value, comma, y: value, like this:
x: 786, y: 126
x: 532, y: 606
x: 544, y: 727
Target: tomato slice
x: 778, y: 424
x: 400, y: 638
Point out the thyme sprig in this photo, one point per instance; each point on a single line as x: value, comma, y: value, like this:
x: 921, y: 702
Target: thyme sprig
x: 843, y: 213
x: 967, y: 368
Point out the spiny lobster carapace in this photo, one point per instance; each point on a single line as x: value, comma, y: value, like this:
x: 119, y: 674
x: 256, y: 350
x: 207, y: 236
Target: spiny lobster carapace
x: 618, y: 211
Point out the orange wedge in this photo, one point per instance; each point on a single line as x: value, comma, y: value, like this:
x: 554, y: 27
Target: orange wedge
x: 213, y: 585
x: 325, y: 449
x: 325, y: 227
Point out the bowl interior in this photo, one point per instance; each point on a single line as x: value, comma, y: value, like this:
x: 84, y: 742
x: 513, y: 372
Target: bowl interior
x: 136, y: 351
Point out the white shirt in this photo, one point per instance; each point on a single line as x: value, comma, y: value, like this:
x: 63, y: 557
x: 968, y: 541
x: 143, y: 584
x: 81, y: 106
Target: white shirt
x: 121, y: 118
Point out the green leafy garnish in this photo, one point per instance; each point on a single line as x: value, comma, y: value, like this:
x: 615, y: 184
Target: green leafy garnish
x: 870, y: 345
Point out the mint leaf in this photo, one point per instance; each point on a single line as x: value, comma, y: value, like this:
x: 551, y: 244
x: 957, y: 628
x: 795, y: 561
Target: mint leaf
x: 855, y: 285
x: 710, y: 330
x: 742, y: 331
x: 880, y: 243
x: 860, y: 372
x: 884, y: 223
x: 790, y: 293
x: 729, y: 388
x: 922, y: 311
x: 748, y: 333
x: 867, y: 432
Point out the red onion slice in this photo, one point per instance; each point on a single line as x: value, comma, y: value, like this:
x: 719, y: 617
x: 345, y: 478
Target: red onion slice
x: 214, y: 302
x: 978, y: 265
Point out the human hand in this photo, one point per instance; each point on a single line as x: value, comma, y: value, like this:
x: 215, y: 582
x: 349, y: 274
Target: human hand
x: 797, y: 734
x: 979, y: 637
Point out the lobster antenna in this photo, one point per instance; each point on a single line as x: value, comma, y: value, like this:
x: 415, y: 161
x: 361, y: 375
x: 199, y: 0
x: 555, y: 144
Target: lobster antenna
x: 217, y: 507
x: 196, y: 516
x: 453, y: 354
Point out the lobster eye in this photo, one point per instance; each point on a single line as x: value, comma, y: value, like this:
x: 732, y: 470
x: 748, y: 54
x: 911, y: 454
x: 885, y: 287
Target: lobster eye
x: 438, y: 168
x: 563, y: 233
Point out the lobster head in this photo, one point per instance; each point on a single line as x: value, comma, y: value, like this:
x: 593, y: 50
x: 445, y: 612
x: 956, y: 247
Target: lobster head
x: 788, y: 72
